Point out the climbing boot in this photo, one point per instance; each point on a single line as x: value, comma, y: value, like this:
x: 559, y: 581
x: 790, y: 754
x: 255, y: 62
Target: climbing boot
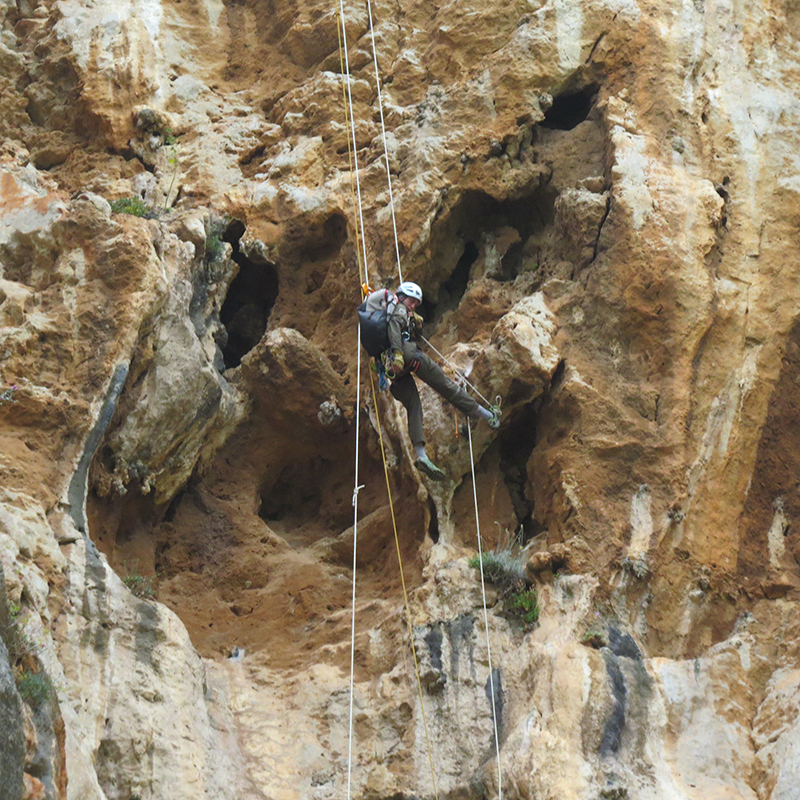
x: 494, y: 421
x: 426, y: 466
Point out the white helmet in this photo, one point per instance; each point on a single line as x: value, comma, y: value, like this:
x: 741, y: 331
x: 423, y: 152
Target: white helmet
x: 410, y: 289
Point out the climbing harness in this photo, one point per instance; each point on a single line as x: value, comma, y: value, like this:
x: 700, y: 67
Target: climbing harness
x: 412, y: 366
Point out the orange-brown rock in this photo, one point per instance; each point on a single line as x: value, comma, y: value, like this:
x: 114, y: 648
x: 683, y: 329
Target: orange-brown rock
x: 600, y: 200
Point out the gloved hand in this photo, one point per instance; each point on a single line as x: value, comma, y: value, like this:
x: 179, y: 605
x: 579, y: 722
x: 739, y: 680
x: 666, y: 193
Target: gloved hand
x: 394, y: 363
x: 416, y: 323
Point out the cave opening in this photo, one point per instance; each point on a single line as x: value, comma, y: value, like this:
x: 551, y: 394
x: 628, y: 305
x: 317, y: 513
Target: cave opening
x: 305, y: 501
x: 249, y: 301
x: 453, y: 289
x: 470, y: 233
x: 569, y: 110
x: 516, y: 443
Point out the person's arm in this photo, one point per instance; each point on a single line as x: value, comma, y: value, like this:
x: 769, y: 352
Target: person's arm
x: 398, y: 321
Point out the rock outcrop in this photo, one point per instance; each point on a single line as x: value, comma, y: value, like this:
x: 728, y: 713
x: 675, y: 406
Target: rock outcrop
x: 600, y: 200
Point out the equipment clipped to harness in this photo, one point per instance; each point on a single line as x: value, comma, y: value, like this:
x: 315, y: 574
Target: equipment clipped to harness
x: 375, y: 326
x: 383, y: 378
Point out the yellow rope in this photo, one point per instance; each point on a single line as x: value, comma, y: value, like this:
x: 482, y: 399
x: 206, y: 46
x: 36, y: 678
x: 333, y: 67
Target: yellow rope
x: 364, y: 281
x: 403, y: 582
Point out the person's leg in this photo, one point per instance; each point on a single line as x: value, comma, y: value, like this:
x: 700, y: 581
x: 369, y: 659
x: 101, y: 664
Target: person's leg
x: 404, y: 389
x: 430, y: 372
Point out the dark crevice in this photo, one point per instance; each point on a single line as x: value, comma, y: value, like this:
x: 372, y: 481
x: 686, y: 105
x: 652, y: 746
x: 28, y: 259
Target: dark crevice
x: 78, y: 487
x: 474, y: 217
x: 433, y: 527
x: 558, y: 375
x: 253, y: 154
x: 595, y: 45
x: 452, y: 290
x: 512, y: 261
x: 516, y: 446
x: 569, y: 110
x: 249, y: 301
x: 615, y: 722
x: 600, y: 230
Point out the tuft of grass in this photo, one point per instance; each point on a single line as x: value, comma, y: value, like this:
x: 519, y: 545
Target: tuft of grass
x: 134, y: 206
x: 507, y: 572
x: 500, y: 567
x: 139, y: 585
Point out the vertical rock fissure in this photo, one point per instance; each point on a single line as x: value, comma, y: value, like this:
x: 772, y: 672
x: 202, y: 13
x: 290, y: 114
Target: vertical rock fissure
x: 79, y: 486
x: 615, y: 724
x: 516, y: 446
x: 248, y: 304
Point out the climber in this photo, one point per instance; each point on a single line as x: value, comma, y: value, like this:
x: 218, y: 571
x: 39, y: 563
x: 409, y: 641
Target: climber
x: 401, y: 357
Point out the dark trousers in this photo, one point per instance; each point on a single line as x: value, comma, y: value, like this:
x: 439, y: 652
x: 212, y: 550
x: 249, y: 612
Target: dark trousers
x: 404, y: 389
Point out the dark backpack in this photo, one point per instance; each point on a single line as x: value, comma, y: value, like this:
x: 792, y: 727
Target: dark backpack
x: 374, y: 328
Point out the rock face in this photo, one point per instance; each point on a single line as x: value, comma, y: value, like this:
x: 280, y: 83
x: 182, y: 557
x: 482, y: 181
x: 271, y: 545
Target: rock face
x: 600, y: 200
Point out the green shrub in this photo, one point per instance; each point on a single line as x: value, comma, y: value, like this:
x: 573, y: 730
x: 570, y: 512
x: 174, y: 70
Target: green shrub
x: 214, y: 247
x: 215, y: 230
x: 134, y: 206
x: 33, y: 687
x: 523, y: 604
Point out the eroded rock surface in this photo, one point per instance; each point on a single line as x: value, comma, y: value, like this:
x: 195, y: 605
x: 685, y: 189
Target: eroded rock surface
x: 600, y: 200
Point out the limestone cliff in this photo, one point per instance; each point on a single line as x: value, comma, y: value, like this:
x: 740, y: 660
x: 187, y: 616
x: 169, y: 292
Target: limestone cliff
x: 600, y: 199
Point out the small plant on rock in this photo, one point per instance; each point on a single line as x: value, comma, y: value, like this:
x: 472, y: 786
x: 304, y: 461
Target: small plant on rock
x: 139, y: 585
x: 500, y: 567
x: 507, y: 572
x: 523, y: 604
x: 215, y: 244
x: 134, y: 206
x: 33, y: 687
x: 595, y: 638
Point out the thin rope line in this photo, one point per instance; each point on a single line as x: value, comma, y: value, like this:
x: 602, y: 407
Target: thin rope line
x: 356, y: 489
x: 457, y: 371
x: 403, y: 582
x: 350, y: 164
x: 485, y: 616
x: 385, y: 148
x: 353, y: 164
x: 353, y: 132
x: 353, y: 155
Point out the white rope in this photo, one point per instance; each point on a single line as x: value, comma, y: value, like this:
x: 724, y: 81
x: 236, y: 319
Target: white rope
x: 458, y: 372
x: 356, y: 485
x: 485, y: 616
x: 353, y: 132
x: 356, y: 490
x: 385, y: 148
